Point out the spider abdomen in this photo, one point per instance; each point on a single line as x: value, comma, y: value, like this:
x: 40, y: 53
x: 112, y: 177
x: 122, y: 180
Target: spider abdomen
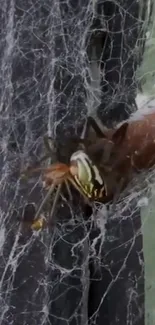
x: 86, y: 175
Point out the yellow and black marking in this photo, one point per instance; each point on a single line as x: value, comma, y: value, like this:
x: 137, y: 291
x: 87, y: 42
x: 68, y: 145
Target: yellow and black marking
x: 88, y: 178
x: 90, y: 190
x: 38, y: 224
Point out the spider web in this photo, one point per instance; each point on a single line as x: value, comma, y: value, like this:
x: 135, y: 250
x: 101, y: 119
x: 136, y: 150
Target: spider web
x: 53, y: 75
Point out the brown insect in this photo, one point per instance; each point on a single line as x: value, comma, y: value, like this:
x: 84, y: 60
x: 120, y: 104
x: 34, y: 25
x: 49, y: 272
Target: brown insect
x: 125, y: 151
x: 133, y: 144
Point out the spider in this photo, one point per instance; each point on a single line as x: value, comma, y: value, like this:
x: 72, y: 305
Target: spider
x: 81, y: 172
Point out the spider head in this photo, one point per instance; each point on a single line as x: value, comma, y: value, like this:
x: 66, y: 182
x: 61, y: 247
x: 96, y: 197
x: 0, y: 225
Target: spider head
x: 56, y: 174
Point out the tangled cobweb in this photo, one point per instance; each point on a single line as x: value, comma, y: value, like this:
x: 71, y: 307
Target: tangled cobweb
x: 51, y: 78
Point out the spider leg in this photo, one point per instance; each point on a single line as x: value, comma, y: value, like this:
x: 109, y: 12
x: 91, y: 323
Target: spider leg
x: 68, y: 190
x: 84, y: 131
x: 50, y: 147
x: 31, y: 170
x: 50, y: 191
x: 55, y: 201
x: 45, y: 157
x: 47, y: 145
x: 91, y: 122
x: 57, y: 197
x: 49, y: 153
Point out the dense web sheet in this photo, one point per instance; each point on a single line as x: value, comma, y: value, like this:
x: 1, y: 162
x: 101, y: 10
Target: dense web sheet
x: 49, y: 83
